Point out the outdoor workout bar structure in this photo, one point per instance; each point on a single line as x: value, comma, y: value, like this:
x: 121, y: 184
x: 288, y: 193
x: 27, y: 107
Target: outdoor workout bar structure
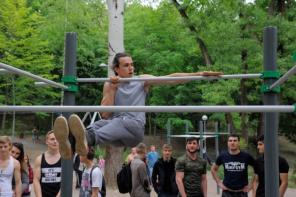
x: 173, y: 109
x: 270, y: 108
x: 3, y: 71
x: 284, y: 78
x: 14, y: 70
x: 190, y: 78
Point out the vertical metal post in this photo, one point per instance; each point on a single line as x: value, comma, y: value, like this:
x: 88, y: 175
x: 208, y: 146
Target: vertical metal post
x: 204, y: 138
x: 201, y: 148
x: 13, y: 113
x: 217, y: 146
x: 69, y: 99
x: 271, y: 120
x: 168, y: 131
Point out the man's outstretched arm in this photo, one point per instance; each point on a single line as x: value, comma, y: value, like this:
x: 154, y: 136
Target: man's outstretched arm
x: 204, y: 73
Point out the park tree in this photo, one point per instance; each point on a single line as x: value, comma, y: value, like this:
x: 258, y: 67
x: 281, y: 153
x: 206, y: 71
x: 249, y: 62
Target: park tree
x: 22, y: 46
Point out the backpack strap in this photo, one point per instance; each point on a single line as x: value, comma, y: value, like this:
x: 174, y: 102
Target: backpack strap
x: 90, y: 177
x: 91, y: 171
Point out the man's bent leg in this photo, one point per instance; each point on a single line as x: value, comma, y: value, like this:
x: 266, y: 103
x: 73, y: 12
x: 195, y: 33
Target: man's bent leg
x: 61, y: 132
x: 78, y: 130
x: 117, y: 132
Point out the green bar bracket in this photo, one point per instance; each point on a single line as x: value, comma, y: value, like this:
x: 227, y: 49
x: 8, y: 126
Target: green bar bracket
x: 270, y: 75
x: 265, y: 89
x: 71, y: 82
x: 294, y: 57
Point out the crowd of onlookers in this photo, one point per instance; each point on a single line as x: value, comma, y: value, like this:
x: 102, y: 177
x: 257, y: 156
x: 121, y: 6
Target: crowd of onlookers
x: 168, y: 176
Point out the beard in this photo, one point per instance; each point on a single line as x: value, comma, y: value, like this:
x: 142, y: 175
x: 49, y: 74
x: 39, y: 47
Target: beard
x: 192, y: 151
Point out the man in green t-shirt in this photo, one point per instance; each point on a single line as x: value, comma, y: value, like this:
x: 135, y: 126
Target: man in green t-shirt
x: 191, y: 173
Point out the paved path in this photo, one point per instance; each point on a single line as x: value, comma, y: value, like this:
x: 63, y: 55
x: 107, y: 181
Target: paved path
x: 35, y: 149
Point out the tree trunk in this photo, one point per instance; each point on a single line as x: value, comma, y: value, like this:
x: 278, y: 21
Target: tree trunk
x: 115, y: 44
x: 149, y: 124
x: 3, y: 121
x: 277, y: 6
x: 202, y: 46
x: 113, y: 164
x: 260, y: 128
x: 243, y: 96
x: 229, y: 120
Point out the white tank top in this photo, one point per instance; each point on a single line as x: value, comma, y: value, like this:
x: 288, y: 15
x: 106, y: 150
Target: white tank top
x: 6, y: 175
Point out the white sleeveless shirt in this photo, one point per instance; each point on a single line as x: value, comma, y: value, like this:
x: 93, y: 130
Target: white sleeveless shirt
x: 6, y: 175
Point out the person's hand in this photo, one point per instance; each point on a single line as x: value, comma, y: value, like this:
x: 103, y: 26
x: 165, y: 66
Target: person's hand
x: 222, y: 186
x: 211, y: 73
x: 247, y: 188
x: 114, y: 82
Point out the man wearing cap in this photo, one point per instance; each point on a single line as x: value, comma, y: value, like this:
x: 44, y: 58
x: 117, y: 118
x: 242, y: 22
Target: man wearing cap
x: 191, y: 171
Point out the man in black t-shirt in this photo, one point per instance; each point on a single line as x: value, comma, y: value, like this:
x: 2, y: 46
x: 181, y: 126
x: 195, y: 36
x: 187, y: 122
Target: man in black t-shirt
x: 235, y: 163
x: 259, y: 184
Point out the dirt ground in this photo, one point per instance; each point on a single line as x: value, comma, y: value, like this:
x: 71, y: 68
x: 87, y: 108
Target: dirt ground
x: 34, y: 149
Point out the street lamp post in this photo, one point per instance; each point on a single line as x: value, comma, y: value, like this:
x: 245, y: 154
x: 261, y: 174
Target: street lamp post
x: 202, y: 132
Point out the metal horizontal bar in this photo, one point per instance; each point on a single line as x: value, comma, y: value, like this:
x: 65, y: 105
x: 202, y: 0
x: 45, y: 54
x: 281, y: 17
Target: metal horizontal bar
x: 209, y: 133
x: 188, y: 78
x: 14, y: 70
x: 197, y: 136
x: 3, y: 71
x: 284, y: 78
x: 175, y: 109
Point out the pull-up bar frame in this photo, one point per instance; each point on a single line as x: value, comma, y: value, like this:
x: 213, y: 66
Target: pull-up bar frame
x: 190, y: 78
x: 159, y: 109
x: 14, y: 70
x: 284, y: 78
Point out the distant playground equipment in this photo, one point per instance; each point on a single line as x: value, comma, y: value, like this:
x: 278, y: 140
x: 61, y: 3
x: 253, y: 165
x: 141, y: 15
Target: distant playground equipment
x: 269, y: 89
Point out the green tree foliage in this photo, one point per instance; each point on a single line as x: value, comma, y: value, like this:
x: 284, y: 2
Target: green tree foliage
x: 21, y: 46
x: 89, y: 20
x: 160, y: 40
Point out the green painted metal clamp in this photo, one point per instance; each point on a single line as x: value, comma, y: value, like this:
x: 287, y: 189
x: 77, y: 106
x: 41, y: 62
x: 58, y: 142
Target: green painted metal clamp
x: 294, y: 57
x: 270, y: 75
x: 265, y: 89
x: 71, y: 82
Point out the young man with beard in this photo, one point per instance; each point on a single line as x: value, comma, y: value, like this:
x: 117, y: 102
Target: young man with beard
x: 118, y: 128
x: 47, y: 169
x: 259, y: 185
x: 235, y: 163
x: 191, y: 171
x: 164, y: 175
x: 9, y: 168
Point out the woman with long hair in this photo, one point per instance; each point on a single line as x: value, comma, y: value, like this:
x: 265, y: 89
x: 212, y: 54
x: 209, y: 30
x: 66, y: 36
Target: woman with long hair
x: 18, y: 153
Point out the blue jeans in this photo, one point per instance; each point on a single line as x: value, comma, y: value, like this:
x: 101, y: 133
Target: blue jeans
x: 234, y: 194
x: 162, y: 194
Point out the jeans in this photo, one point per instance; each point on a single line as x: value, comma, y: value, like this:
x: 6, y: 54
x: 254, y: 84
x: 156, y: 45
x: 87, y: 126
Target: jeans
x: 234, y: 194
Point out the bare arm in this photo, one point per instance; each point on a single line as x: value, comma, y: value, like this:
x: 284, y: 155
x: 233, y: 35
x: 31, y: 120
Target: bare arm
x: 284, y: 184
x: 109, y: 91
x: 204, y: 185
x: 179, y: 181
x: 214, y: 171
x: 17, y: 177
x: 95, y: 191
x: 255, y: 185
x: 37, y: 176
x: 205, y: 73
